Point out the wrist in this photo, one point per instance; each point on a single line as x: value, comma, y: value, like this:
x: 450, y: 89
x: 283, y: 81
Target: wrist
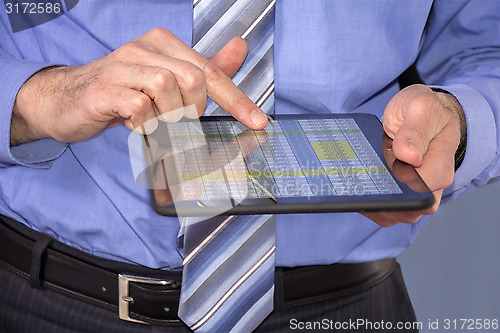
x: 450, y: 103
x: 27, y: 120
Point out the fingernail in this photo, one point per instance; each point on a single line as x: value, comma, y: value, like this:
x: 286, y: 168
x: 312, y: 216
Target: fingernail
x: 258, y: 117
x: 172, y: 116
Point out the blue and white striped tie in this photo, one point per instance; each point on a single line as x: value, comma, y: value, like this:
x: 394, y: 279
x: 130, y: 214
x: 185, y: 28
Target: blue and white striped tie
x: 228, y: 274
x: 216, y: 22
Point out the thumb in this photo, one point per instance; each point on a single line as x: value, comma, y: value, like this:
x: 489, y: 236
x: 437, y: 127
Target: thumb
x: 411, y: 142
x: 231, y: 56
x: 412, y: 118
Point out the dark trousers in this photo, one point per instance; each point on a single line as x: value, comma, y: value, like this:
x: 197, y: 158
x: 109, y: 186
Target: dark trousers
x: 381, y: 308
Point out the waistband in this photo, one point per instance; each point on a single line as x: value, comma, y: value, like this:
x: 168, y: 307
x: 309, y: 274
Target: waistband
x: 151, y: 296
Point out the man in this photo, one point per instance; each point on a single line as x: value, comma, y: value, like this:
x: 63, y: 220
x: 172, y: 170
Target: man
x: 67, y: 175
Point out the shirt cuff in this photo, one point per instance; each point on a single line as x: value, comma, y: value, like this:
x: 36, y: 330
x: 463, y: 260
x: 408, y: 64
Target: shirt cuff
x: 481, y: 135
x: 38, y: 154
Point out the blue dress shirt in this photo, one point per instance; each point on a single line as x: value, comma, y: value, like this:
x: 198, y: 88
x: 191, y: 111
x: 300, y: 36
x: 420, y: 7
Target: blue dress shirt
x: 330, y: 56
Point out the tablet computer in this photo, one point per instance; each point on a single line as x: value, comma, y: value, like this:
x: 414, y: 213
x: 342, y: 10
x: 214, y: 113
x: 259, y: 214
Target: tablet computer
x: 297, y: 164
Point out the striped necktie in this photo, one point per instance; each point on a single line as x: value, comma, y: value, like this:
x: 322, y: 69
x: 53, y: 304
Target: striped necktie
x: 216, y: 22
x: 228, y: 267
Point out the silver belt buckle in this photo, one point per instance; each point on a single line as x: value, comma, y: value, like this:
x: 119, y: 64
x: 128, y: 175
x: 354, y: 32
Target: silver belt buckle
x: 124, y: 298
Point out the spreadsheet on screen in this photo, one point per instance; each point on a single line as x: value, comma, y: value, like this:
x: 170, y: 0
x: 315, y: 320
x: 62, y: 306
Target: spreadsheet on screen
x: 289, y: 158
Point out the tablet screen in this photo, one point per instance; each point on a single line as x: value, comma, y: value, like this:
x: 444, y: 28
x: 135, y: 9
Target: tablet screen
x: 293, y: 158
x: 296, y: 164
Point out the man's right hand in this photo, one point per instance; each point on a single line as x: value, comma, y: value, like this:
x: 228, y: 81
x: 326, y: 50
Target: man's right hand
x: 156, y: 74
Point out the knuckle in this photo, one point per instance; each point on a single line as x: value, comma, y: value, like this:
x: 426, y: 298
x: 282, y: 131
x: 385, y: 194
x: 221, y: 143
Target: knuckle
x: 159, y: 33
x: 215, y: 76
x: 163, y: 80
x: 131, y: 50
x: 421, y: 103
x: 240, y: 102
x: 192, y: 77
x: 140, y: 104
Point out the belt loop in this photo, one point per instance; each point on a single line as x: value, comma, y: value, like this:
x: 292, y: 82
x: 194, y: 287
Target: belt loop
x: 279, y: 300
x: 36, y: 261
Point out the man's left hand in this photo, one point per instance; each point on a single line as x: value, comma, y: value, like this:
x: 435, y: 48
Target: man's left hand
x: 426, y: 128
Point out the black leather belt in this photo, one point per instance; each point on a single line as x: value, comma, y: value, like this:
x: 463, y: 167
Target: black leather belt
x: 151, y: 296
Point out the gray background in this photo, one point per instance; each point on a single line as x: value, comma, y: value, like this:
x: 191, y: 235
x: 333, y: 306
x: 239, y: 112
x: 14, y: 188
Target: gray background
x: 452, y: 270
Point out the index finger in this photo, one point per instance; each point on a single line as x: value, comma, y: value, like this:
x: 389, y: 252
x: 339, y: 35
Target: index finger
x: 220, y: 88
